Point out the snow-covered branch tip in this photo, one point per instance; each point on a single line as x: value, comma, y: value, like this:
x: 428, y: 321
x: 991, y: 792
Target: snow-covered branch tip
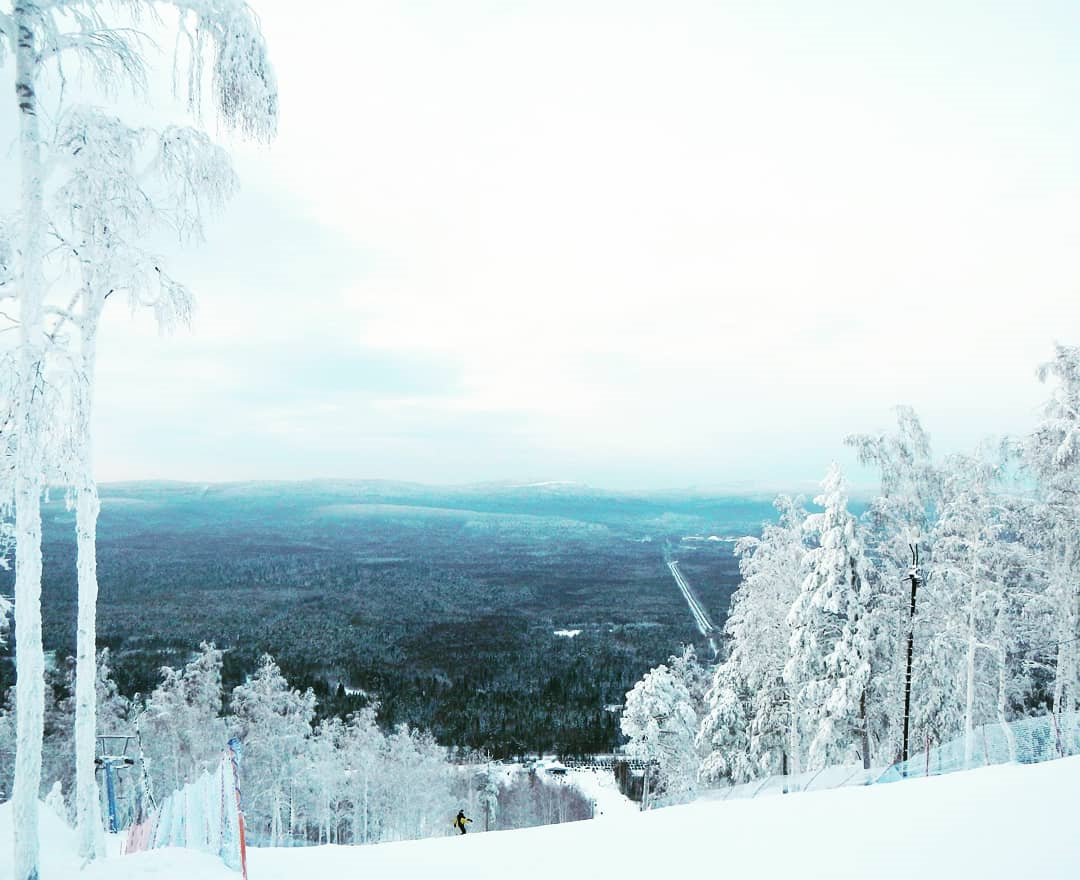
x: 112, y: 54
x: 174, y: 305
x: 198, y: 175
x: 7, y: 255
x: 7, y: 28
x: 243, y: 83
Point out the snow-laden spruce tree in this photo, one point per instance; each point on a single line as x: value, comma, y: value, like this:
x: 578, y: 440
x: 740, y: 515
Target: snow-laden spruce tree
x: 661, y: 718
x: 748, y: 728
x: 49, y: 39
x: 834, y: 643
x: 723, y: 738
x: 1051, y: 454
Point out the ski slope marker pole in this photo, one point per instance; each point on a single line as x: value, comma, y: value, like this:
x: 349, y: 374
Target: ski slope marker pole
x: 234, y: 745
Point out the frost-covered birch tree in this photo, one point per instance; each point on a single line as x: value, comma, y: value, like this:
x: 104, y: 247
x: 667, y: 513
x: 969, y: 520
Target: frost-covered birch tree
x: 968, y: 602
x: 273, y: 721
x: 44, y: 36
x: 899, y: 517
x: 122, y: 184
x: 181, y: 717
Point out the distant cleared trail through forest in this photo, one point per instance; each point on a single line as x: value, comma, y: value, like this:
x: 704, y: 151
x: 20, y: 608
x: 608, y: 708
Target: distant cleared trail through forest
x: 701, y: 617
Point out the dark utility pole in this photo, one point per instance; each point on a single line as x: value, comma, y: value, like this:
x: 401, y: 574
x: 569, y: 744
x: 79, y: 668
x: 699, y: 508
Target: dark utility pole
x: 915, y: 577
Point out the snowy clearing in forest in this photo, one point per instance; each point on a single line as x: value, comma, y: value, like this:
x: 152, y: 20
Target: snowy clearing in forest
x: 999, y: 822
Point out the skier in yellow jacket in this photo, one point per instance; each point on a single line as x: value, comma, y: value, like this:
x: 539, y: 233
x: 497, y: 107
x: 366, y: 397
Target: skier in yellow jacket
x: 459, y: 822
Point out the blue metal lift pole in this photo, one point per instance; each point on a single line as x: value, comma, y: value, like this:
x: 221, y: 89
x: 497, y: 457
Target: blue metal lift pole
x: 110, y: 791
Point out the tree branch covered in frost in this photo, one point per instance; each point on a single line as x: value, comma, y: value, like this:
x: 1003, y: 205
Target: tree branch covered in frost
x: 7, y: 28
x: 243, y: 84
x: 123, y: 182
x: 7, y: 259
x: 198, y: 177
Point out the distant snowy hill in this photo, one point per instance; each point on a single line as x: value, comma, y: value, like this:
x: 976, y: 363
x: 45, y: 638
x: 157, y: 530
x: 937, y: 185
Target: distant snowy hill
x: 1001, y: 822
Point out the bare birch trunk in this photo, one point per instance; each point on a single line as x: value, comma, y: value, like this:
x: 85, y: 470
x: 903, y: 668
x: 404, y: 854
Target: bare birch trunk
x: 87, y: 505
x: 865, y: 730
x: 1002, y: 696
x: 793, y: 736
x: 29, y: 659
x: 969, y: 701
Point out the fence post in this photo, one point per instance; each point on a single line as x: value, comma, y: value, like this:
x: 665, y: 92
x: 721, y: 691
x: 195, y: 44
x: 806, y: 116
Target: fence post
x: 1057, y: 735
x: 234, y: 755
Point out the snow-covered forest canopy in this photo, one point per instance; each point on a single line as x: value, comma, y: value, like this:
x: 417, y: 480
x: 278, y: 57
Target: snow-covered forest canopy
x: 305, y: 780
x: 966, y: 568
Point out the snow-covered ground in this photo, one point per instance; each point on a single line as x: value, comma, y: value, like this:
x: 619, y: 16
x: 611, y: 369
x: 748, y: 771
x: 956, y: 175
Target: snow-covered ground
x: 1001, y: 822
x: 600, y: 786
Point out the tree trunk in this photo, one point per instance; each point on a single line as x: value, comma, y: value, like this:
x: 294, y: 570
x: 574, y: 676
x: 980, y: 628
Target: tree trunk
x: 1010, y: 737
x: 87, y: 505
x: 969, y: 702
x: 1065, y: 670
x: 29, y: 658
x: 865, y: 730
x: 793, y: 736
x: 275, y: 820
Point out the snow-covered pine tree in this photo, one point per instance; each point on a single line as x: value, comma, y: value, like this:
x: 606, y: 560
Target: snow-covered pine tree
x: 723, y: 737
x: 1051, y: 454
x: 755, y: 737
x: 661, y: 720
x: 833, y: 644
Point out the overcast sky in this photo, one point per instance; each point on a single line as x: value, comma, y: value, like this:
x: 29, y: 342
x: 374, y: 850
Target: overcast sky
x: 631, y: 244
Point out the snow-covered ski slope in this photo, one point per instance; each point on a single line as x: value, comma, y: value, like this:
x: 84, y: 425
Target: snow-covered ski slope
x: 1000, y: 822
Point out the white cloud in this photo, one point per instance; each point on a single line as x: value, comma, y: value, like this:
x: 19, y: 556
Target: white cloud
x: 654, y: 243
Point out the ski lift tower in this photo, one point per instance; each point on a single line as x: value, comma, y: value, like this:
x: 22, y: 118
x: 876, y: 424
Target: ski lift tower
x: 113, y: 756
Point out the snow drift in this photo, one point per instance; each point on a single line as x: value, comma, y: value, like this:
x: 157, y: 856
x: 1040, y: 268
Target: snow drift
x: 998, y: 822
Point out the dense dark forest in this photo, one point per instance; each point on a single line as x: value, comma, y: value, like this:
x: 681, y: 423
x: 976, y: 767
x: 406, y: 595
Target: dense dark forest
x: 512, y: 619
